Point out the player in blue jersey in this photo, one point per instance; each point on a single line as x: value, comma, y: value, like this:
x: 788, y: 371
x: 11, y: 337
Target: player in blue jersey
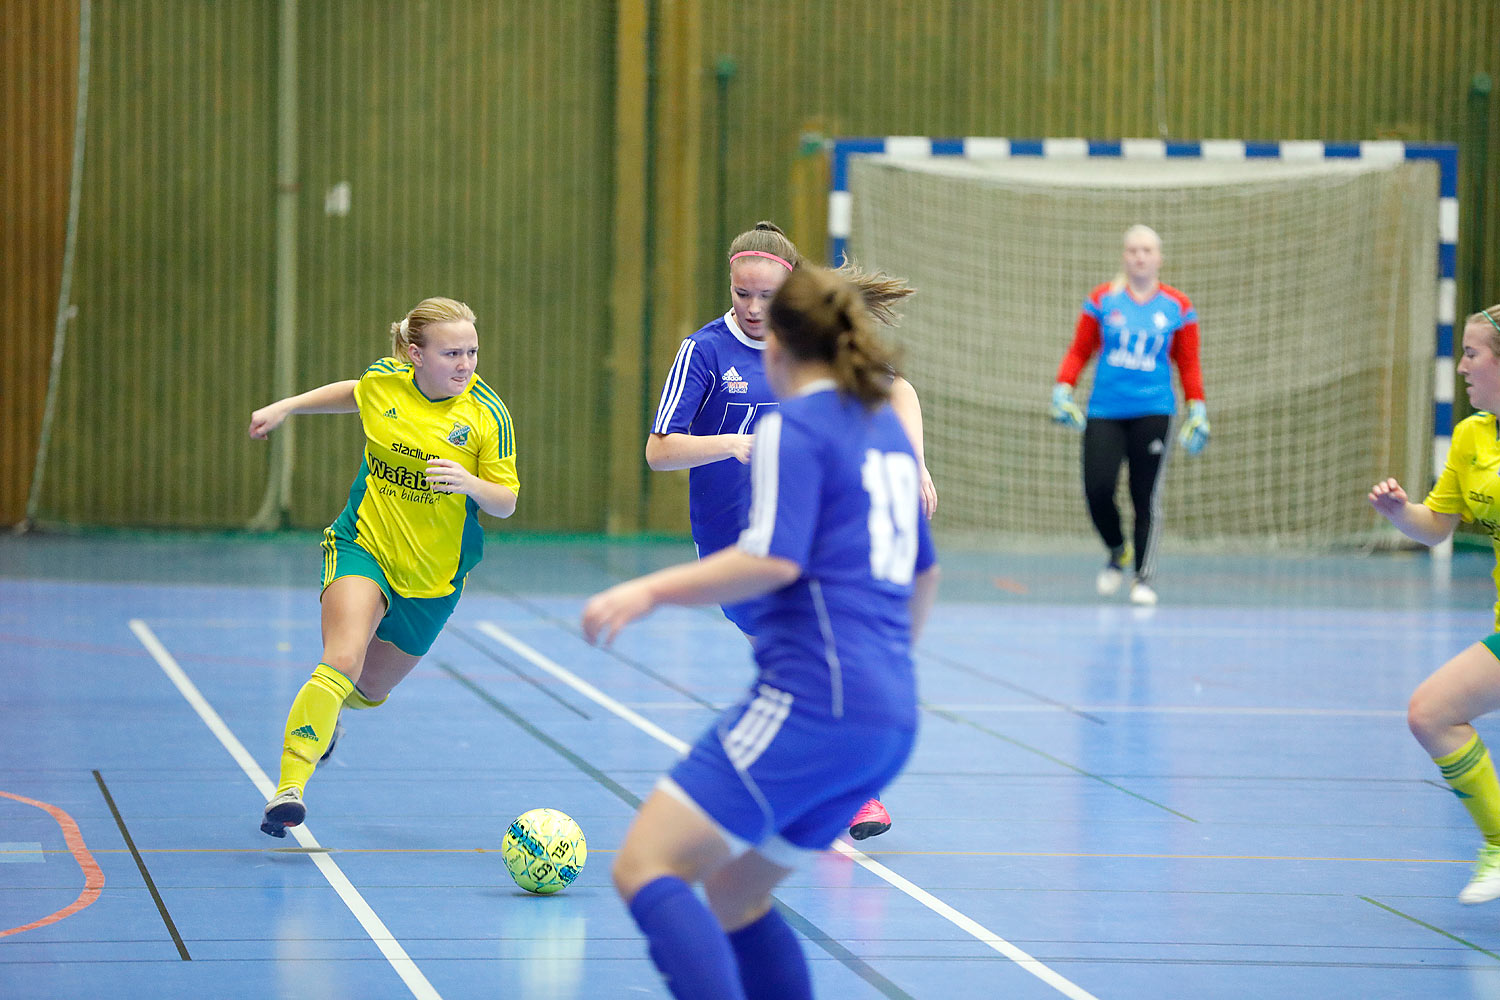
x: 837, y: 547
x: 1137, y: 325
x: 716, y: 392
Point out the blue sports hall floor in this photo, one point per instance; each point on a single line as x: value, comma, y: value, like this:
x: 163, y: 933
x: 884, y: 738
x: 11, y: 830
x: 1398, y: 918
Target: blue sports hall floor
x: 1216, y: 797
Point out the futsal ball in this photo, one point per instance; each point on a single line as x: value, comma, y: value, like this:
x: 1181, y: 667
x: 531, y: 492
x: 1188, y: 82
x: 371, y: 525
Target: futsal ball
x: 544, y: 851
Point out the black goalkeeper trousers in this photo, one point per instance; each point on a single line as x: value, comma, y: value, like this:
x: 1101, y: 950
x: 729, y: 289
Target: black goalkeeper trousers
x: 1143, y: 443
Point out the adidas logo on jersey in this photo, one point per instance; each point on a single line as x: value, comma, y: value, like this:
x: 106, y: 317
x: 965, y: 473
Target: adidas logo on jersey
x: 306, y: 732
x: 733, y: 382
x: 390, y: 413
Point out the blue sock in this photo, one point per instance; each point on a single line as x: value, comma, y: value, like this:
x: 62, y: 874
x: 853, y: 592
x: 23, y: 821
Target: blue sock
x: 771, y: 960
x: 689, y: 948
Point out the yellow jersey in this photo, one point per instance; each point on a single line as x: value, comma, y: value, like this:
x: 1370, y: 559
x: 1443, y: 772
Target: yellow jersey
x: 426, y: 542
x: 1470, y: 483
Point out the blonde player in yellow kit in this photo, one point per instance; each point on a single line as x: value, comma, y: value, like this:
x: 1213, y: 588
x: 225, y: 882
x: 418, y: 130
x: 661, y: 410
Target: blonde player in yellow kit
x: 438, y: 449
x: 1467, y: 686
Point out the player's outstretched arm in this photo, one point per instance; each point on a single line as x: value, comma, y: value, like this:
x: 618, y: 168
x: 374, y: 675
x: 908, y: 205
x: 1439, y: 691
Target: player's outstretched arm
x: 908, y: 410
x: 669, y: 452
x: 1416, y: 521
x: 726, y: 577
x: 335, y: 397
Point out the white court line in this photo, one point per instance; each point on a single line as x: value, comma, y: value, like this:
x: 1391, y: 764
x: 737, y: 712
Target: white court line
x: 388, y: 945
x: 1063, y: 985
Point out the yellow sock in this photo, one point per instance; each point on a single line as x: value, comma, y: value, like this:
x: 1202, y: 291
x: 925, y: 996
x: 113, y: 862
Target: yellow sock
x: 310, y: 724
x: 356, y: 700
x: 1471, y: 773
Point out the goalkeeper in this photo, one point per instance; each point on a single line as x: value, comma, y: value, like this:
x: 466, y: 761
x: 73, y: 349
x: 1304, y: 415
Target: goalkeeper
x: 1136, y: 324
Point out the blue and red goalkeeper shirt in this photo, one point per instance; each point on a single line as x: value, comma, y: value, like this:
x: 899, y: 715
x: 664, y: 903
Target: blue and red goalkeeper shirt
x: 1135, y: 339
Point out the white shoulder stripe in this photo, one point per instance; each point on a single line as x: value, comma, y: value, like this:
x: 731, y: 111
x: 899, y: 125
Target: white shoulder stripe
x: 765, y: 464
x: 671, y: 392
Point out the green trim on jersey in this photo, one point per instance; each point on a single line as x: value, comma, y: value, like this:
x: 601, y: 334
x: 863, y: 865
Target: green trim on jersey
x: 426, y: 541
x: 348, y: 519
x: 1470, y: 483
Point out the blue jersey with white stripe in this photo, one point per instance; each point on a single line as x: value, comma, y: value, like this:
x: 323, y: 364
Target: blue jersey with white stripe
x: 836, y: 490
x: 717, y: 385
x: 1134, y: 377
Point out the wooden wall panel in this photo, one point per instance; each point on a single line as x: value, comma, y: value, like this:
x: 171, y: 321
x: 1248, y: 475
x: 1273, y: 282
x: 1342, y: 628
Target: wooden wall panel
x: 39, y: 50
x: 1268, y: 69
x: 169, y: 347
x: 478, y: 141
x: 475, y: 141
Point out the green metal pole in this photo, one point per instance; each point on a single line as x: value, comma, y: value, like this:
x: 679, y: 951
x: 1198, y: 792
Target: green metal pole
x: 724, y: 71
x: 274, y: 509
x: 1478, y: 145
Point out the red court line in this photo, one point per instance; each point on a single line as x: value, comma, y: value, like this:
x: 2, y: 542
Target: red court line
x: 93, y: 878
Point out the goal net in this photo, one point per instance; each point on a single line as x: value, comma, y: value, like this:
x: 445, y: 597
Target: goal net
x: 1315, y: 287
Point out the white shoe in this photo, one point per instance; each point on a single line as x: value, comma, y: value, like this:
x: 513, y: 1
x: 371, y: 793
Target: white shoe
x: 285, y: 810
x: 1141, y: 593
x: 1109, y: 579
x: 1485, y: 884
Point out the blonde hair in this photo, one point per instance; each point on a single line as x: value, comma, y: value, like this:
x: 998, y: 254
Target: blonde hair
x: 819, y: 316
x: 411, y: 329
x: 1136, y: 230
x: 1491, y: 319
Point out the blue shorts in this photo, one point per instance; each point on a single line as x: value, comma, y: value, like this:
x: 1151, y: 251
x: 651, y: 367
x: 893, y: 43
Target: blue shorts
x: 411, y: 624
x: 785, y: 782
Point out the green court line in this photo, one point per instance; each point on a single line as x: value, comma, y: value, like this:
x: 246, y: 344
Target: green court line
x: 618, y: 790
x: 955, y: 717
x: 572, y: 628
x: 809, y: 930
x: 1435, y: 930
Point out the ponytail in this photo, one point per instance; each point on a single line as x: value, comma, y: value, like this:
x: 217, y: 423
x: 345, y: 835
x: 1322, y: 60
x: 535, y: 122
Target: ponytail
x: 819, y: 316
x: 879, y: 291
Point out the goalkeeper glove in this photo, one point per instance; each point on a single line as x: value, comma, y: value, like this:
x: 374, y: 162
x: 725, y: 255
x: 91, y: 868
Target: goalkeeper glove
x: 1194, y: 434
x: 1064, y: 410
